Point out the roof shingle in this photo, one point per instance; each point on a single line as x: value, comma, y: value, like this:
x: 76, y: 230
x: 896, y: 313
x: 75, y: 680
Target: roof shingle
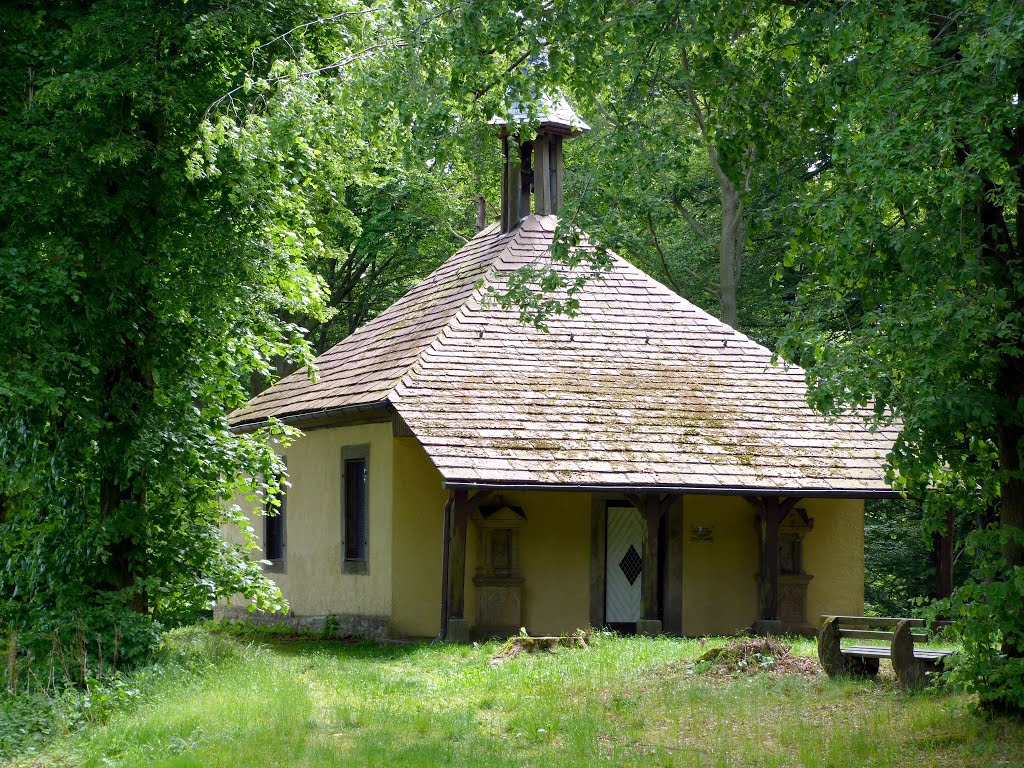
x: 640, y: 387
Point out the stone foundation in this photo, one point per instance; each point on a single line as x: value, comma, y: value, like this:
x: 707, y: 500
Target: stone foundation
x: 648, y: 627
x: 459, y: 631
x: 348, y: 625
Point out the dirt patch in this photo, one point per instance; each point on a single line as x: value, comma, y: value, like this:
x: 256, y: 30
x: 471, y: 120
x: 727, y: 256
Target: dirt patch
x: 751, y: 656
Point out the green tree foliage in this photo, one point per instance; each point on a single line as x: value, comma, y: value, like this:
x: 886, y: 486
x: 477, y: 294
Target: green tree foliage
x: 391, y: 177
x: 900, y: 559
x: 180, y: 183
x: 908, y: 247
x: 898, y: 574
x: 392, y: 234
x: 912, y: 300
x: 136, y: 291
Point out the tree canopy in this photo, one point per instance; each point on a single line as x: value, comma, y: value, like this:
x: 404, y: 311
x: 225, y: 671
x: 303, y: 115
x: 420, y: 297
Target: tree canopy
x: 191, y: 191
x: 912, y: 298
x: 182, y: 187
x: 135, y: 295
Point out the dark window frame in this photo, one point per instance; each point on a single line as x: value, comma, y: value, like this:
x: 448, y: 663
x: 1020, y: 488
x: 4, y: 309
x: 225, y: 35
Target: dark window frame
x: 276, y: 564
x: 355, y: 559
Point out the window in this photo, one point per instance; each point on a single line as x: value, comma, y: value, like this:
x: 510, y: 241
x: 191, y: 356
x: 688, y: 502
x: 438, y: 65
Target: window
x: 355, y: 487
x: 273, y: 530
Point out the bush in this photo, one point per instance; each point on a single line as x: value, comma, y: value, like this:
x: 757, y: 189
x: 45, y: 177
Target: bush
x: 72, y: 649
x: 989, y: 610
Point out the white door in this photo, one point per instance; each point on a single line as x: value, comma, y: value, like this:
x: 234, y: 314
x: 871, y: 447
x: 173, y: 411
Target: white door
x: 624, y: 565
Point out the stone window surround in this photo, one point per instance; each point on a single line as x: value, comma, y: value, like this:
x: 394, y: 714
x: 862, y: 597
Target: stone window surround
x: 355, y: 566
x: 278, y: 565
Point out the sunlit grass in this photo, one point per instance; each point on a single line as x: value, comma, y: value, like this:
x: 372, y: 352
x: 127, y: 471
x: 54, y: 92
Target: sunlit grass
x: 623, y: 702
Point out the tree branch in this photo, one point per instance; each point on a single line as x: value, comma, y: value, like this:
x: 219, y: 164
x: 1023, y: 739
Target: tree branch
x: 661, y: 253
x: 313, y: 23
x: 689, y: 217
x: 702, y: 283
x: 697, y: 113
x: 451, y: 231
x: 480, y: 93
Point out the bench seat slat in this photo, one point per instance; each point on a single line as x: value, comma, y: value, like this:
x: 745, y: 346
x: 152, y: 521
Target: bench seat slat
x: 931, y: 655
x: 875, y: 651
x: 869, y: 634
x: 884, y: 621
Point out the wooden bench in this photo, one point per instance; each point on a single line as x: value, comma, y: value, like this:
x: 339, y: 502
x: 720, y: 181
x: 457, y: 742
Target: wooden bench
x: 911, y: 665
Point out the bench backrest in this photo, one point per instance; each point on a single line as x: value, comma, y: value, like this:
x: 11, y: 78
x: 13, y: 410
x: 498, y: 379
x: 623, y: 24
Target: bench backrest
x: 856, y: 627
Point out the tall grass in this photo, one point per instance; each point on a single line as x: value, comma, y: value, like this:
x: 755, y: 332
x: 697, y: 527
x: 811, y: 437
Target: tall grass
x: 258, y: 701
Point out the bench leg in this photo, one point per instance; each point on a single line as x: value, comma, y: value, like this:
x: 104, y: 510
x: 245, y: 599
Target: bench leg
x: 916, y: 675
x: 831, y: 658
x: 910, y: 671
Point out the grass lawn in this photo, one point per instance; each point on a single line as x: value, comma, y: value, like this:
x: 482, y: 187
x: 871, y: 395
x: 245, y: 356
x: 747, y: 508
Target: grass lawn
x: 622, y: 701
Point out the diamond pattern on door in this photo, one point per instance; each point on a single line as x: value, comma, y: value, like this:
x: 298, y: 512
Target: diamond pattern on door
x: 624, y: 564
x: 632, y: 564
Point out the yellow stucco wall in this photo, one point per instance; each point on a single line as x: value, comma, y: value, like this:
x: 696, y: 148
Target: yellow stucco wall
x: 419, y: 500
x: 834, y: 554
x: 406, y: 513
x: 719, y: 576
x: 720, y: 588
x: 313, y: 582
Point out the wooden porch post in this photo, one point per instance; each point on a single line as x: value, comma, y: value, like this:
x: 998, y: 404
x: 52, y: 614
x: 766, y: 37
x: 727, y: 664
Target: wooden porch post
x: 649, y: 576
x: 770, y: 518
x: 457, y: 629
x: 773, y: 510
x: 653, y: 508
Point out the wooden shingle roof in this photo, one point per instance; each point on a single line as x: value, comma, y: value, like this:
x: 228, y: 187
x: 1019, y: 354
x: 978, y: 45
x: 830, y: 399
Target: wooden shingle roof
x: 639, y: 389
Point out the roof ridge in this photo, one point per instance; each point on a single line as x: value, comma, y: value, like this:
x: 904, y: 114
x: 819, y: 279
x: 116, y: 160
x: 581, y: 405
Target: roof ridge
x: 341, y: 385
x: 478, y: 290
x: 705, y: 315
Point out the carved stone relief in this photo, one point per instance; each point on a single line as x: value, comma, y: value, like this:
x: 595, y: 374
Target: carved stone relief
x: 498, y: 579
x: 793, y: 582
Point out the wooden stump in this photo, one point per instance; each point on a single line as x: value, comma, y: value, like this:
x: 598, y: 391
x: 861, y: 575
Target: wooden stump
x: 526, y: 644
x: 829, y: 654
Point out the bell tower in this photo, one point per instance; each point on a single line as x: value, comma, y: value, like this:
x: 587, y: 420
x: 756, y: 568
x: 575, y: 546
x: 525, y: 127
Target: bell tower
x: 533, y: 169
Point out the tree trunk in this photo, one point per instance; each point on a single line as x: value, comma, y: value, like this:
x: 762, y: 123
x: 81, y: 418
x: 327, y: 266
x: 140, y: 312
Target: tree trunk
x: 729, y: 247
x: 481, y: 213
x: 943, y: 548
x: 126, y: 555
x: 1010, y: 438
x: 130, y: 387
